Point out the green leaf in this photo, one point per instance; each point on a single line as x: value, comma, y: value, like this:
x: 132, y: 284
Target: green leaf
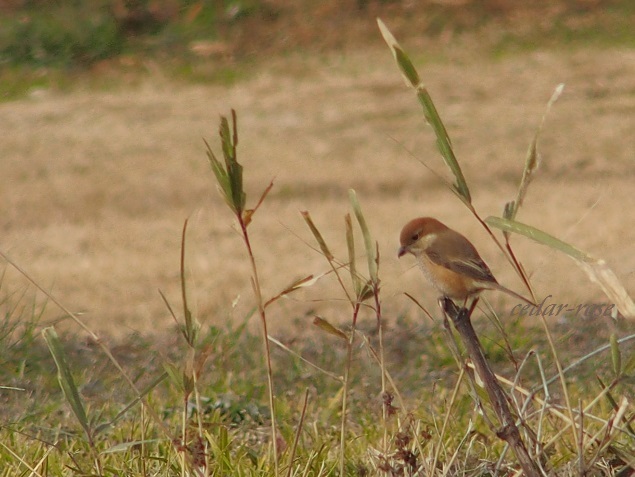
x: 65, y: 378
x: 190, y: 330
x: 443, y: 143
x: 229, y: 178
x: 406, y: 66
x: 369, y: 244
x: 429, y: 111
x: 596, y: 269
x: 352, y: 261
x: 222, y: 179
x: 537, y: 235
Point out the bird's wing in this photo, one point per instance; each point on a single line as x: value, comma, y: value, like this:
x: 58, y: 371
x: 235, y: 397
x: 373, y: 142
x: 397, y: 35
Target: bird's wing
x: 466, y: 262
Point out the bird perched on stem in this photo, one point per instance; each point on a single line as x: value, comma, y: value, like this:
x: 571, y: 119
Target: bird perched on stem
x: 449, y: 260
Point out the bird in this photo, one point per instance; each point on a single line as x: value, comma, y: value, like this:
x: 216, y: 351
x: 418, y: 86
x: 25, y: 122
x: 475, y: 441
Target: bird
x: 449, y: 260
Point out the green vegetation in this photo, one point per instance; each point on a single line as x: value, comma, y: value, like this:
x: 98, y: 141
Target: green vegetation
x: 53, y: 44
x: 40, y: 432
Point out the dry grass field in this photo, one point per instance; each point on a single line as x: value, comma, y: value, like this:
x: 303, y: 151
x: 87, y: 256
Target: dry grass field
x: 95, y: 185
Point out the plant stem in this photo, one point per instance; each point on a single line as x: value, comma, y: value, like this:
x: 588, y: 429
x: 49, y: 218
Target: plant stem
x: 382, y: 364
x: 347, y: 370
x: 509, y: 431
x: 265, y: 337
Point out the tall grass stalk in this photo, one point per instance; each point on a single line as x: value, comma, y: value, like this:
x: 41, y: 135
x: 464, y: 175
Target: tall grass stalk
x: 364, y: 289
x: 229, y: 177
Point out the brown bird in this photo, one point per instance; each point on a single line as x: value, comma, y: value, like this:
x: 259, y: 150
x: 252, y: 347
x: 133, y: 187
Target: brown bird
x: 449, y: 260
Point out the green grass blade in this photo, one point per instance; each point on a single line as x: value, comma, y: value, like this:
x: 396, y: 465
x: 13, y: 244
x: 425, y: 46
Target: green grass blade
x: 222, y: 178
x: 352, y: 262
x: 538, y: 236
x: 65, y: 377
x: 596, y: 269
x: 229, y: 178
x: 191, y: 327
x: 429, y: 111
x: 234, y: 169
x: 369, y: 244
x: 616, y: 355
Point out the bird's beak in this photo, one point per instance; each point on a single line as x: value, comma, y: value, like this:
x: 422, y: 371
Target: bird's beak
x: 402, y: 251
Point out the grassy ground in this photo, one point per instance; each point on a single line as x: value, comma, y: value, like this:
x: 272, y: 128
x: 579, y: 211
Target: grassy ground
x: 96, y: 184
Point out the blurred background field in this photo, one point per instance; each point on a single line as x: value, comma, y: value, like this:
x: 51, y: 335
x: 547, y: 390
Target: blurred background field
x: 111, y: 40
x: 106, y: 104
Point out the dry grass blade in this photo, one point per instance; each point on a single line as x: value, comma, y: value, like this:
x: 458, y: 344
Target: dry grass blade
x: 102, y: 346
x: 298, y: 432
x: 296, y: 285
x: 329, y: 328
x: 318, y: 236
x: 616, y: 355
x: 330, y: 258
x: 612, y: 401
x: 531, y: 162
x: 304, y: 360
x: 249, y: 213
x: 429, y: 111
x: 600, y: 273
x: 146, y: 391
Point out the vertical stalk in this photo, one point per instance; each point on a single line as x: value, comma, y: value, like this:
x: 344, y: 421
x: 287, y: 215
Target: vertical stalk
x: 509, y: 431
x: 265, y: 338
x: 382, y: 365
x: 347, y: 370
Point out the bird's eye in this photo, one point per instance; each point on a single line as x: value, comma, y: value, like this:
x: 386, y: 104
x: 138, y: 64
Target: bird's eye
x: 415, y: 237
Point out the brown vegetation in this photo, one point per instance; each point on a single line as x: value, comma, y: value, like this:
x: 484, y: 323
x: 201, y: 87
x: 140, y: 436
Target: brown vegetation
x: 96, y: 184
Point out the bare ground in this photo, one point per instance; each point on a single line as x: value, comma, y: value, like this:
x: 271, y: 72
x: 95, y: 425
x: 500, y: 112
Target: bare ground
x: 95, y: 186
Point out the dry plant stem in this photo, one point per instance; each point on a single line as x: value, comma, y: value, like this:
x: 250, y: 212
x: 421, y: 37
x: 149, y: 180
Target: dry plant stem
x: 446, y: 419
x: 509, y: 431
x: 382, y: 364
x: 563, y: 381
x: 347, y: 370
x: 296, y: 440
x: 265, y: 338
x: 184, y: 437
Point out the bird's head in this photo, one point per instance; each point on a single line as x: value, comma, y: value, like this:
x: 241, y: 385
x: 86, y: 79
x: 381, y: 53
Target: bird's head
x: 418, y: 234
